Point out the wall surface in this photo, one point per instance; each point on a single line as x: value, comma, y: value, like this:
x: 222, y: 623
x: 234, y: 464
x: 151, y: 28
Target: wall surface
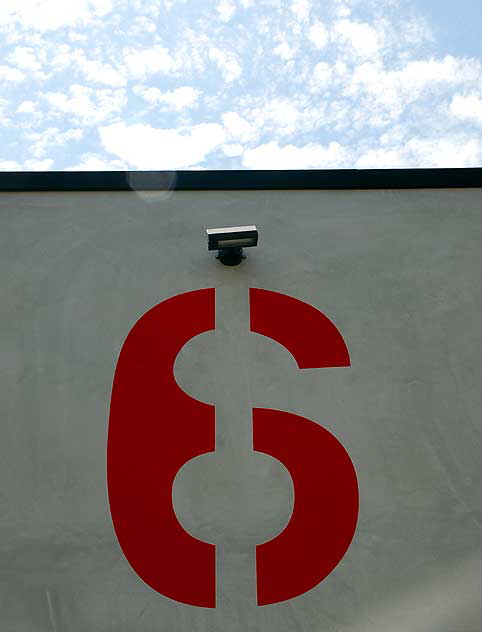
x: 398, y: 273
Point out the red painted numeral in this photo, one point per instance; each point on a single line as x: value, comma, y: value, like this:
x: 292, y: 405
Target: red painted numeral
x: 155, y: 428
x: 325, y: 510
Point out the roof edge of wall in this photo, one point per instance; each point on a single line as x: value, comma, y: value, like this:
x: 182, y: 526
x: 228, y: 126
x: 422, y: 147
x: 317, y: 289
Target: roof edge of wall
x: 239, y: 180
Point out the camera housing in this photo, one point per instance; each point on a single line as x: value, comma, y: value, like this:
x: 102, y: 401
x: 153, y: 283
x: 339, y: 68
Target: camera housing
x: 230, y: 241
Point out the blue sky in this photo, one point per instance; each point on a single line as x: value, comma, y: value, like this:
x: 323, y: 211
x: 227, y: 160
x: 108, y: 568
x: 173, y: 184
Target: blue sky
x: 240, y: 84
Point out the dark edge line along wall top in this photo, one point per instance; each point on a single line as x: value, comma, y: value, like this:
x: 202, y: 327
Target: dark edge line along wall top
x: 239, y: 180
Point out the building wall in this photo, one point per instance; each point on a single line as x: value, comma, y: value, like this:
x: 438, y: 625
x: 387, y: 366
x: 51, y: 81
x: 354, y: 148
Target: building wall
x: 399, y: 274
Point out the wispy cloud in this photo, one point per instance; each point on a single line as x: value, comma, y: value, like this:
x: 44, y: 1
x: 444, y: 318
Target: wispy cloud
x: 178, y: 99
x: 47, y: 15
x: 84, y: 105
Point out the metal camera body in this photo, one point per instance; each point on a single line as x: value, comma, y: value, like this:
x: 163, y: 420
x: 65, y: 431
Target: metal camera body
x: 230, y: 241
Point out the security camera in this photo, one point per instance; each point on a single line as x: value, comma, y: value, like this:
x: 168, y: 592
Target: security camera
x: 229, y: 242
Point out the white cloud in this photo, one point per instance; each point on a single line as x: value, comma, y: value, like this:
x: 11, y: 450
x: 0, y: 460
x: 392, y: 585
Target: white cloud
x: 71, y: 134
x: 318, y: 35
x: 97, y: 72
x: 95, y: 162
x: 75, y: 36
x: 279, y: 114
x: 192, y: 52
x: 26, y: 107
x: 380, y: 159
x: 177, y: 99
x: 143, y: 24
x: 231, y: 150
x: 272, y: 156
x: 395, y: 89
x: 11, y: 74
x: 38, y: 165
x: 151, y: 95
x: 363, y: 38
x: 449, y: 69
x: 342, y: 11
x: 467, y: 108
x: 148, y: 147
x: 5, y: 121
x: 46, y: 15
x: 50, y: 137
x: 180, y: 98
x: 301, y: 9
x: 64, y: 57
x: 449, y: 151
x: 86, y: 105
x: 445, y: 152
x: 284, y: 50
x: 227, y: 63
x: 322, y: 74
x: 10, y: 165
x: 238, y: 127
x: 414, y: 31
x: 142, y: 63
x: 92, y: 70
x: 226, y: 10
x: 25, y: 57
x: 153, y: 8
